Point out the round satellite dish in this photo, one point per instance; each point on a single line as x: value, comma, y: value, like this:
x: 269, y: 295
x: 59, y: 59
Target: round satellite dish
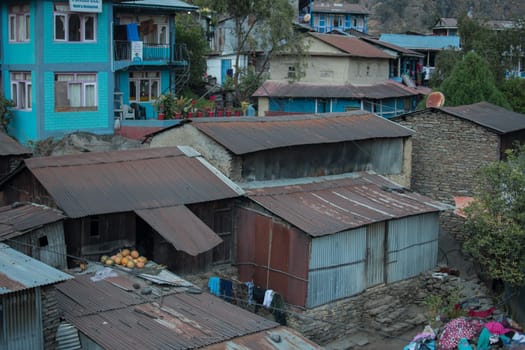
x: 435, y: 99
x: 306, y: 17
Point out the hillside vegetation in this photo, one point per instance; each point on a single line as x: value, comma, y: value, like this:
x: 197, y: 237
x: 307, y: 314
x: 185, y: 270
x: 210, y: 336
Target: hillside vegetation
x: 400, y: 16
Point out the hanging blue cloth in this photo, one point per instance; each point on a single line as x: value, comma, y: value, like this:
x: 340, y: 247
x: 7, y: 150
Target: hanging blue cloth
x: 133, y: 32
x: 214, y: 285
x: 250, y: 292
x: 226, y: 289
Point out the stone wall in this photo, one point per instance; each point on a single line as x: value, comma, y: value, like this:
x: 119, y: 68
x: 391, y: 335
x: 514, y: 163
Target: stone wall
x: 447, y: 151
x: 390, y: 310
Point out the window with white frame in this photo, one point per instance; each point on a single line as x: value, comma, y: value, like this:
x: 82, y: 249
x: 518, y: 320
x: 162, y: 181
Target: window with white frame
x: 21, y: 90
x: 73, y: 26
x: 19, y: 23
x: 144, y: 86
x: 75, y: 91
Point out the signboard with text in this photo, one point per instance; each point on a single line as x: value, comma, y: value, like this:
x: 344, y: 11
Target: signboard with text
x: 85, y: 5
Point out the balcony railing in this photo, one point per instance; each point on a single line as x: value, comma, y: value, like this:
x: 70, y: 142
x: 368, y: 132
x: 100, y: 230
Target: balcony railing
x: 149, y: 53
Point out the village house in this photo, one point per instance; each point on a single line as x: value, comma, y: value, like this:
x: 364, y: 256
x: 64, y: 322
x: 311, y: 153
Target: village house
x: 118, y: 309
x: 324, y: 16
x: 168, y: 202
x: 70, y: 67
x: 29, y: 315
x: 446, y: 27
x: 259, y: 148
x: 35, y: 230
x: 11, y: 154
x: 342, y: 73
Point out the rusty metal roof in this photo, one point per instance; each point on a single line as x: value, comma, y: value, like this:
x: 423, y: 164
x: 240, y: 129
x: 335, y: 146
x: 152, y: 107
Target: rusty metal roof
x: 387, y: 89
x: 281, y: 338
x: 118, y: 181
x: 179, y: 226
x: 324, y: 206
x: 490, y: 116
x: 10, y: 147
x: 117, y: 318
x: 342, y: 7
x: 351, y: 45
x: 18, y: 218
x: 252, y: 134
x: 19, y: 271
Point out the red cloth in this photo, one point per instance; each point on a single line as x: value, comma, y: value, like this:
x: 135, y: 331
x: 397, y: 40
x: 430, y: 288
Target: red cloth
x: 496, y: 328
x: 482, y: 313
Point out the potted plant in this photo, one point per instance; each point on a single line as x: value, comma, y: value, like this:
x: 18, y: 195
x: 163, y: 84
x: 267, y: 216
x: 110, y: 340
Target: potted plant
x: 165, y: 105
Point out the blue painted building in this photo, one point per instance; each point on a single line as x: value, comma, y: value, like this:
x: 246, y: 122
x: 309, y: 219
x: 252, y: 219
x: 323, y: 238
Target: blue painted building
x: 325, y: 16
x: 71, y: 67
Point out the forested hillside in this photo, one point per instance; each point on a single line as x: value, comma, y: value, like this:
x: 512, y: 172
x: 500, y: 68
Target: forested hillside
x: 399, y: 16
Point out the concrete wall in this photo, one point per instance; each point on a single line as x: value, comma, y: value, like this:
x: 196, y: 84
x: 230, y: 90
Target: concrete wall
x: 447, y: 152
x: 334, y: 70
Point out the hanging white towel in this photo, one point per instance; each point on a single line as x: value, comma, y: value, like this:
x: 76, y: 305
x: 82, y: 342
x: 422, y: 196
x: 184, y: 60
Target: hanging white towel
x: 268, y: 296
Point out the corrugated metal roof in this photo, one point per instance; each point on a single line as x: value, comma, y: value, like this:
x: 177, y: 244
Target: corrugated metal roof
x: 446, y: 23
x: 353, y: 46
x: 246, y: 135
x: 118, y: 319
x: 326, y: 206
x: 175, y: 5
x: 422, y: 42
x: 387, y: 89
x: 488, y: 115
x: 179, y: 226
x: 281, y: 338
x: 403, y: 50
x: 9, y: 146
x: 341, y: 7
x: 118, y: 181
x: 19, y: 271
x: 19, y: 218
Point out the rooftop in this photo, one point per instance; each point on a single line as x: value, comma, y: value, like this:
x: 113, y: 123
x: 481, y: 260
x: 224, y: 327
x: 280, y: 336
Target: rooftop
x: 422, y: 42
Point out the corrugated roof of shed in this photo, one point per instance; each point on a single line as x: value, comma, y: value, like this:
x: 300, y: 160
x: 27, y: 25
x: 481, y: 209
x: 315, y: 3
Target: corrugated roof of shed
x: 386, y: 89
x: 9, y: 146
x: 403, y: 50
x: 117, y: 318
x: 19, y: 271
x: 176, y: 5
x: 252, y: 134
x: 488, y: 115
x: 326, y: 206
x: 351, y: 45
x: 118, y: 181
x: 17, y: 219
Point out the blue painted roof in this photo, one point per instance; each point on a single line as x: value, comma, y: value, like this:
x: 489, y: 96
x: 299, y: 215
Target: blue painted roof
x: 164, y: 4
x: 427, y: 42
x: 19, y: 271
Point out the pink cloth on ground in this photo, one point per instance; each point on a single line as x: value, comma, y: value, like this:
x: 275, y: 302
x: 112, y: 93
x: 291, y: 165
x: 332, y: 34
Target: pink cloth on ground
x: 496, y: 328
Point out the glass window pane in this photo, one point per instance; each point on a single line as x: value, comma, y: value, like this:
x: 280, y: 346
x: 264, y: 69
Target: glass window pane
x: 144, y: 90
x: 89, y: 28
x: 29, y: 97
x: 90, y: 95
x: 88, y: 77
x: 28, y: 28
x: 12, y: 28
x: 154, y: 89
x: 22, y: 97
x: 74, y: 27
x: 132, y: 90
x: 60, y: 32
x: 14, y: 93
x: 64, y: 77
x: 74, y: 94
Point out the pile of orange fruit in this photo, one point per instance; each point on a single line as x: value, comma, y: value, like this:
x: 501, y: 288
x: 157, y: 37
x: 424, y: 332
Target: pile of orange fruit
x: 127, y: 258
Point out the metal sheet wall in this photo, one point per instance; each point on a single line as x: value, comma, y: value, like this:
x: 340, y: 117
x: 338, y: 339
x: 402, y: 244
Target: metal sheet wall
x: 375, y: 254
x: 22, y: 320
x: 337, y: 267
x: 412, y: 246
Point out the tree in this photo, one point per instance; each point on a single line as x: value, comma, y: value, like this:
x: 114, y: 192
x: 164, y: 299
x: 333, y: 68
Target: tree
x: 5, y: 112
x: 445, y: 62
x: 514, y: 91
x: 190, y: 33
x: 471, y: 81
x: 496, y: 219
x: 260, y: 26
